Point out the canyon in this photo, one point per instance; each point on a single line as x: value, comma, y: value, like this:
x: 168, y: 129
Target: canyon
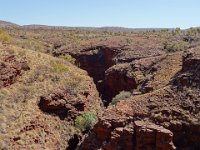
x: 90, y: 90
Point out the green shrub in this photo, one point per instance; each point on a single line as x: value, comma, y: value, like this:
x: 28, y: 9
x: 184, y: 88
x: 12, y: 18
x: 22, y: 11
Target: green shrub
x: 129, y: 41
x: 192, y: 32
x: 4, y: 37
x: 68, y: 57
x: 173, y: 47
x: 121, y: 96
x: 86, y: 121
x: 60, y: 68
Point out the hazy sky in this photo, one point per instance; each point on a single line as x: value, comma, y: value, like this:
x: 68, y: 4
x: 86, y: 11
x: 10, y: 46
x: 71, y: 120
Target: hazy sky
x: 125, y: 13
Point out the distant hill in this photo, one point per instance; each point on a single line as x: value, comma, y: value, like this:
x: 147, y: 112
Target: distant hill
x: 4, y: 24
x: 122, y: 29
x: 108, y: 29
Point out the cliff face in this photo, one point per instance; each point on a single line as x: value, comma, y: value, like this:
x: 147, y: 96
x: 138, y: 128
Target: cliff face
x: 186, y: 84
x: 96, y: 60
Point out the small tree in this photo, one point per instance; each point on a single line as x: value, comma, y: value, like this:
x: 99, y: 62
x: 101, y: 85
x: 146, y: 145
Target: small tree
x: 86, y: 121
x: 177, y: 30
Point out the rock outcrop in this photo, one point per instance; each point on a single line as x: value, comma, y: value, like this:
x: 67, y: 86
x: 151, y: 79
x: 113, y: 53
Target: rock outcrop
x: 151, y: 136
x: 141, y: 135
x: 69, y: 105
x: 10, y: 69
x: 190, y: 74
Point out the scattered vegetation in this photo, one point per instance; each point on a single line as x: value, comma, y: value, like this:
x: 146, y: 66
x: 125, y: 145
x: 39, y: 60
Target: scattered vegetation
x: 86, y: 121
x: 121, y: 96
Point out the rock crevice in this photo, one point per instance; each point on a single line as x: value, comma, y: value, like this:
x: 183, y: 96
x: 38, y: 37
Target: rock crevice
x: 112, y: 76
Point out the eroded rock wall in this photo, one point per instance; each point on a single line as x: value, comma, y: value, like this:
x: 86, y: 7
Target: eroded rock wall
x: 138, y: 135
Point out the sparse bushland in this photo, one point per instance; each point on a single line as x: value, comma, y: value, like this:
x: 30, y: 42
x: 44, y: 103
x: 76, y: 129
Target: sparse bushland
x: 86, y: 121
x: 121, y: 96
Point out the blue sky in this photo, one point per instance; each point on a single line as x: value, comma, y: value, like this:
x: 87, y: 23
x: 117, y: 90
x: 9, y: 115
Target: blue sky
x: 124, y: 13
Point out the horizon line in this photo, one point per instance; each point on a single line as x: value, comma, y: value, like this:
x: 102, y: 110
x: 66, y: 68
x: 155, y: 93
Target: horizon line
x: 106, y: 26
